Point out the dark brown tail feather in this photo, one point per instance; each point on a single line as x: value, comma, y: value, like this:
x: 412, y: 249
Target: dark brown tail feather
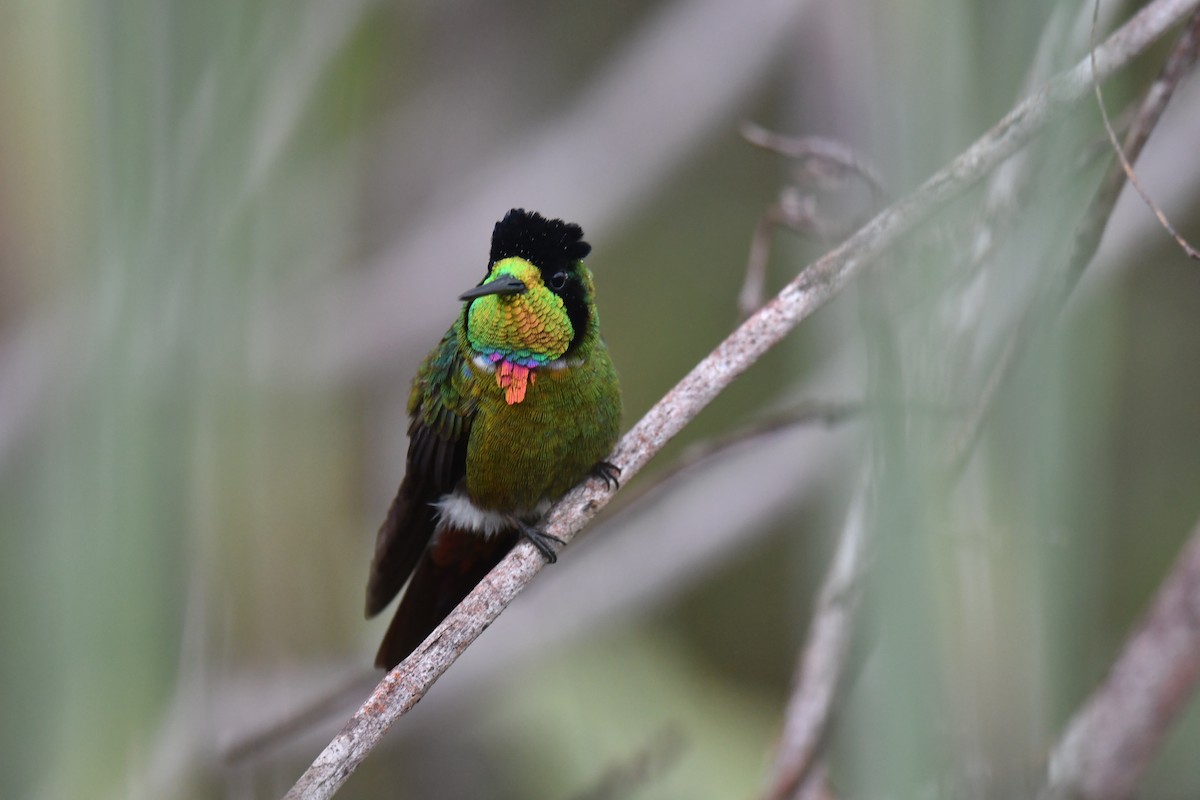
x: 448, y: 570
x: 399, y: 543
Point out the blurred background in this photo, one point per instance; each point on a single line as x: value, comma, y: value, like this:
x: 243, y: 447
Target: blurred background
x: 230, y: 230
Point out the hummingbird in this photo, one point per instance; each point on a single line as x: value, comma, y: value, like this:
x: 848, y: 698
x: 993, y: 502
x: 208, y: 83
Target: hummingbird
x: 517, y: 404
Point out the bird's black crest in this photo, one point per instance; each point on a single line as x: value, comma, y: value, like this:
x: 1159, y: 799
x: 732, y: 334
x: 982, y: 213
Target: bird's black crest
x: 550, y: 244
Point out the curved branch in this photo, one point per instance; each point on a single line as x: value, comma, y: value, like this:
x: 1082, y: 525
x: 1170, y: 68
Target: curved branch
x: 821, y: 673
x: 1181, y: 59
x: 1113, y: 739
x: 405, y: 685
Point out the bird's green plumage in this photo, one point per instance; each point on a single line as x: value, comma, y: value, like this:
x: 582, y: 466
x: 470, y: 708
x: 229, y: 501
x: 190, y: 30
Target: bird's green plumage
x: 520, y: 454
x: 537, y: 449
x: 517, y: 404
x: 437, y: 399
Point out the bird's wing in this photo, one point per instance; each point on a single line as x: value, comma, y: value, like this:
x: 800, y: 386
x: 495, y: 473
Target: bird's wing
x: 437, y: 455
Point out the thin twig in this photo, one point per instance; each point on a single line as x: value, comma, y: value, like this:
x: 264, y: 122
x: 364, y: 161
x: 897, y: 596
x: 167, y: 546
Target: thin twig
x: 1187, y: 41
x: 823, y: 161
x: 750, y: 298
x: 820, y: 156
x: 1086, y: 242
x: 1181, y: 59
x: 821, y: 672
x: 405, y: 685
x: 1113, y: 739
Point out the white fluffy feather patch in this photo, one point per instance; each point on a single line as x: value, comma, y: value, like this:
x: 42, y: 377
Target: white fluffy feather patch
x: 457, y: 511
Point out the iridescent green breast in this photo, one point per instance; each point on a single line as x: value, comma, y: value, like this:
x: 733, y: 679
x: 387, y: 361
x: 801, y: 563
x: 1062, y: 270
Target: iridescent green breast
x: 522, y: 454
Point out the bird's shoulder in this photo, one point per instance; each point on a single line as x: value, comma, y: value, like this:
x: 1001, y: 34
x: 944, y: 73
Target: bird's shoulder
x: 440, y: 397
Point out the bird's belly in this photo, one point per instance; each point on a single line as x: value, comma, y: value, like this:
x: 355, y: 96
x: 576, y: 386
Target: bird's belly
x: 521, y: 456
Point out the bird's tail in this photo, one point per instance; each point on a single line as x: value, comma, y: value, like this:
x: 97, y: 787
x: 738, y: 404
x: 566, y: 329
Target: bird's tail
x: 451, y: 566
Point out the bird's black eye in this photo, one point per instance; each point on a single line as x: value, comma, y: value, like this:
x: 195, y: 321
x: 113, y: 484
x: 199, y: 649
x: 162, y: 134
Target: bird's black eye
x: 558, y: 280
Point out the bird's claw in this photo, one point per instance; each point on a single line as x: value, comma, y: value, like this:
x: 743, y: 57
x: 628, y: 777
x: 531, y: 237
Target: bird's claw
x: 607, y: 472
x: 541, y: 540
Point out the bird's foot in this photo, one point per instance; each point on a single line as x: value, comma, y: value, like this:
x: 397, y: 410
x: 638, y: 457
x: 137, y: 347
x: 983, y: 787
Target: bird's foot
x: 607, y: 472
x: 541, y: 540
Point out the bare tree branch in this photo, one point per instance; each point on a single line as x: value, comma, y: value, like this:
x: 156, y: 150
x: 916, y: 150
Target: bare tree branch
x: 821, y: 671
x: 1112, y: 740
x: 405, y: 685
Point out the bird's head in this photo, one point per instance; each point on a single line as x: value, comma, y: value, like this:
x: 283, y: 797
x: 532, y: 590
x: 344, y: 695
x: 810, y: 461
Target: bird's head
x: 535, y: 303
